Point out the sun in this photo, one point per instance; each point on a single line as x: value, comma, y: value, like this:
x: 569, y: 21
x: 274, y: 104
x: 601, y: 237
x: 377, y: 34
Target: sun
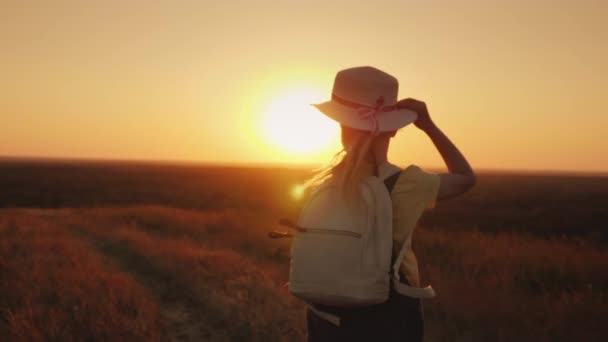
x: 292, y: 125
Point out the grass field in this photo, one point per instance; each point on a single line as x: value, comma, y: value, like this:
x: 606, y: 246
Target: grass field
x: 136, y: 252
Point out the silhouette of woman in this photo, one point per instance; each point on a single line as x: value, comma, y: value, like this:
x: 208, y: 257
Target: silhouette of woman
x: 364, y: 102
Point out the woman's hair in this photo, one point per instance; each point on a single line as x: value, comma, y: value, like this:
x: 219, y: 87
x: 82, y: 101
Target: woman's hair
x: 348, y: 166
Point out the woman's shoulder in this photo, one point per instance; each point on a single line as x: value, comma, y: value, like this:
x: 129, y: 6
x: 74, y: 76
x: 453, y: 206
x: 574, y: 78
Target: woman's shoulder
x: 414, y: 170
x: 410, y: 171
x: 415, y: 187
x: 415, y: 176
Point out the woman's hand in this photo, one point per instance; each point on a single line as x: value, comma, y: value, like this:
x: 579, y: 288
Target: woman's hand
x: 424, y: 121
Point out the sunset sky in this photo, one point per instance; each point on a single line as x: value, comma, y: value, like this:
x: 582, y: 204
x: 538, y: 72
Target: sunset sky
x: 515, y: 84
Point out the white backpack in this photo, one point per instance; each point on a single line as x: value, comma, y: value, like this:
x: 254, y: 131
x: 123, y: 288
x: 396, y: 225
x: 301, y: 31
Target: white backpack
x: 341, y: 256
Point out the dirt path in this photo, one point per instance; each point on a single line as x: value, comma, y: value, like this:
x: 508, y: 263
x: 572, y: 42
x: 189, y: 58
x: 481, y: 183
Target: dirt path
x: 183, y: 319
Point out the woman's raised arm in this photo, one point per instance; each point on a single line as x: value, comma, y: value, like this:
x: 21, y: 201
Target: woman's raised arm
x: 461, y: 177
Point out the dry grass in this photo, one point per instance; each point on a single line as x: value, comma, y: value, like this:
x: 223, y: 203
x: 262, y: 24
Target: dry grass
x: 521, y: 258
x: 53, y: 288
x: 508, y: 288
x: 241, y: 297
x: 491, y: 287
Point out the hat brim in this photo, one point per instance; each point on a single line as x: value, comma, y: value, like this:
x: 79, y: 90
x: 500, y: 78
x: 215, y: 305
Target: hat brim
x: 387, y: 121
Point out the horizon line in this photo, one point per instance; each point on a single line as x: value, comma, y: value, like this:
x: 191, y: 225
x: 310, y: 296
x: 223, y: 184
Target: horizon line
x: 192, y: 162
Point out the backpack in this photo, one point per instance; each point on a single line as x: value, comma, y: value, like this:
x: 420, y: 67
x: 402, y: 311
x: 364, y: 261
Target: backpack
x: 341, y: 255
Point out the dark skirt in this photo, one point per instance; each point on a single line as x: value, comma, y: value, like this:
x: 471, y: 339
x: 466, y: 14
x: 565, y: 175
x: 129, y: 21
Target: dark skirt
x: 398, y: 319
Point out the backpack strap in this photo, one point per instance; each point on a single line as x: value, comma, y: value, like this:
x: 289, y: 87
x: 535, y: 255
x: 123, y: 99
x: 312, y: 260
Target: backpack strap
x: 391, y: 181
x: 401, y: 288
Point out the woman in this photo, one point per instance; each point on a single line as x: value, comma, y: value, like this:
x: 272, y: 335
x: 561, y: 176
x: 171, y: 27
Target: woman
x: 364, y: 102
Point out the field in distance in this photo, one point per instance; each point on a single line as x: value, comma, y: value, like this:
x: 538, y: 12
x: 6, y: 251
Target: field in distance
x: 131, y: 251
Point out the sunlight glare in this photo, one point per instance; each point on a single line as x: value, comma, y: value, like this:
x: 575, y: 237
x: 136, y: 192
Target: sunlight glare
x: 297, y: 191
x: 292, y: 125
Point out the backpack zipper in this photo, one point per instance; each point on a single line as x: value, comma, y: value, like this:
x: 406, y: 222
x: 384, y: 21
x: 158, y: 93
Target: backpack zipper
x: 293, y: 225
x: 332, y: 232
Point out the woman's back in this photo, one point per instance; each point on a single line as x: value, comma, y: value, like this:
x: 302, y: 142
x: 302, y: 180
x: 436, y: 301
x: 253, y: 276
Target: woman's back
x: 364, y: 102
x: 400, y: 318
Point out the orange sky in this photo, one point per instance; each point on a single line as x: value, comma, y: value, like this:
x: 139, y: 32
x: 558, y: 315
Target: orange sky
x: 515, y: 85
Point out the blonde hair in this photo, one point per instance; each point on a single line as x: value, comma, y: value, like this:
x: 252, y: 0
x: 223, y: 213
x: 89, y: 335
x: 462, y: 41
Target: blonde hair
x: 348, y: 166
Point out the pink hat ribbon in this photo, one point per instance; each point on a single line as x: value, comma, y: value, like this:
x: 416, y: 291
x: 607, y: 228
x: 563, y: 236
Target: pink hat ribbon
x: 367, y: 112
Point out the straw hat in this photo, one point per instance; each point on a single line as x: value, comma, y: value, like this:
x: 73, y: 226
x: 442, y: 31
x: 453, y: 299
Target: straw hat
x: 365, y: 98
